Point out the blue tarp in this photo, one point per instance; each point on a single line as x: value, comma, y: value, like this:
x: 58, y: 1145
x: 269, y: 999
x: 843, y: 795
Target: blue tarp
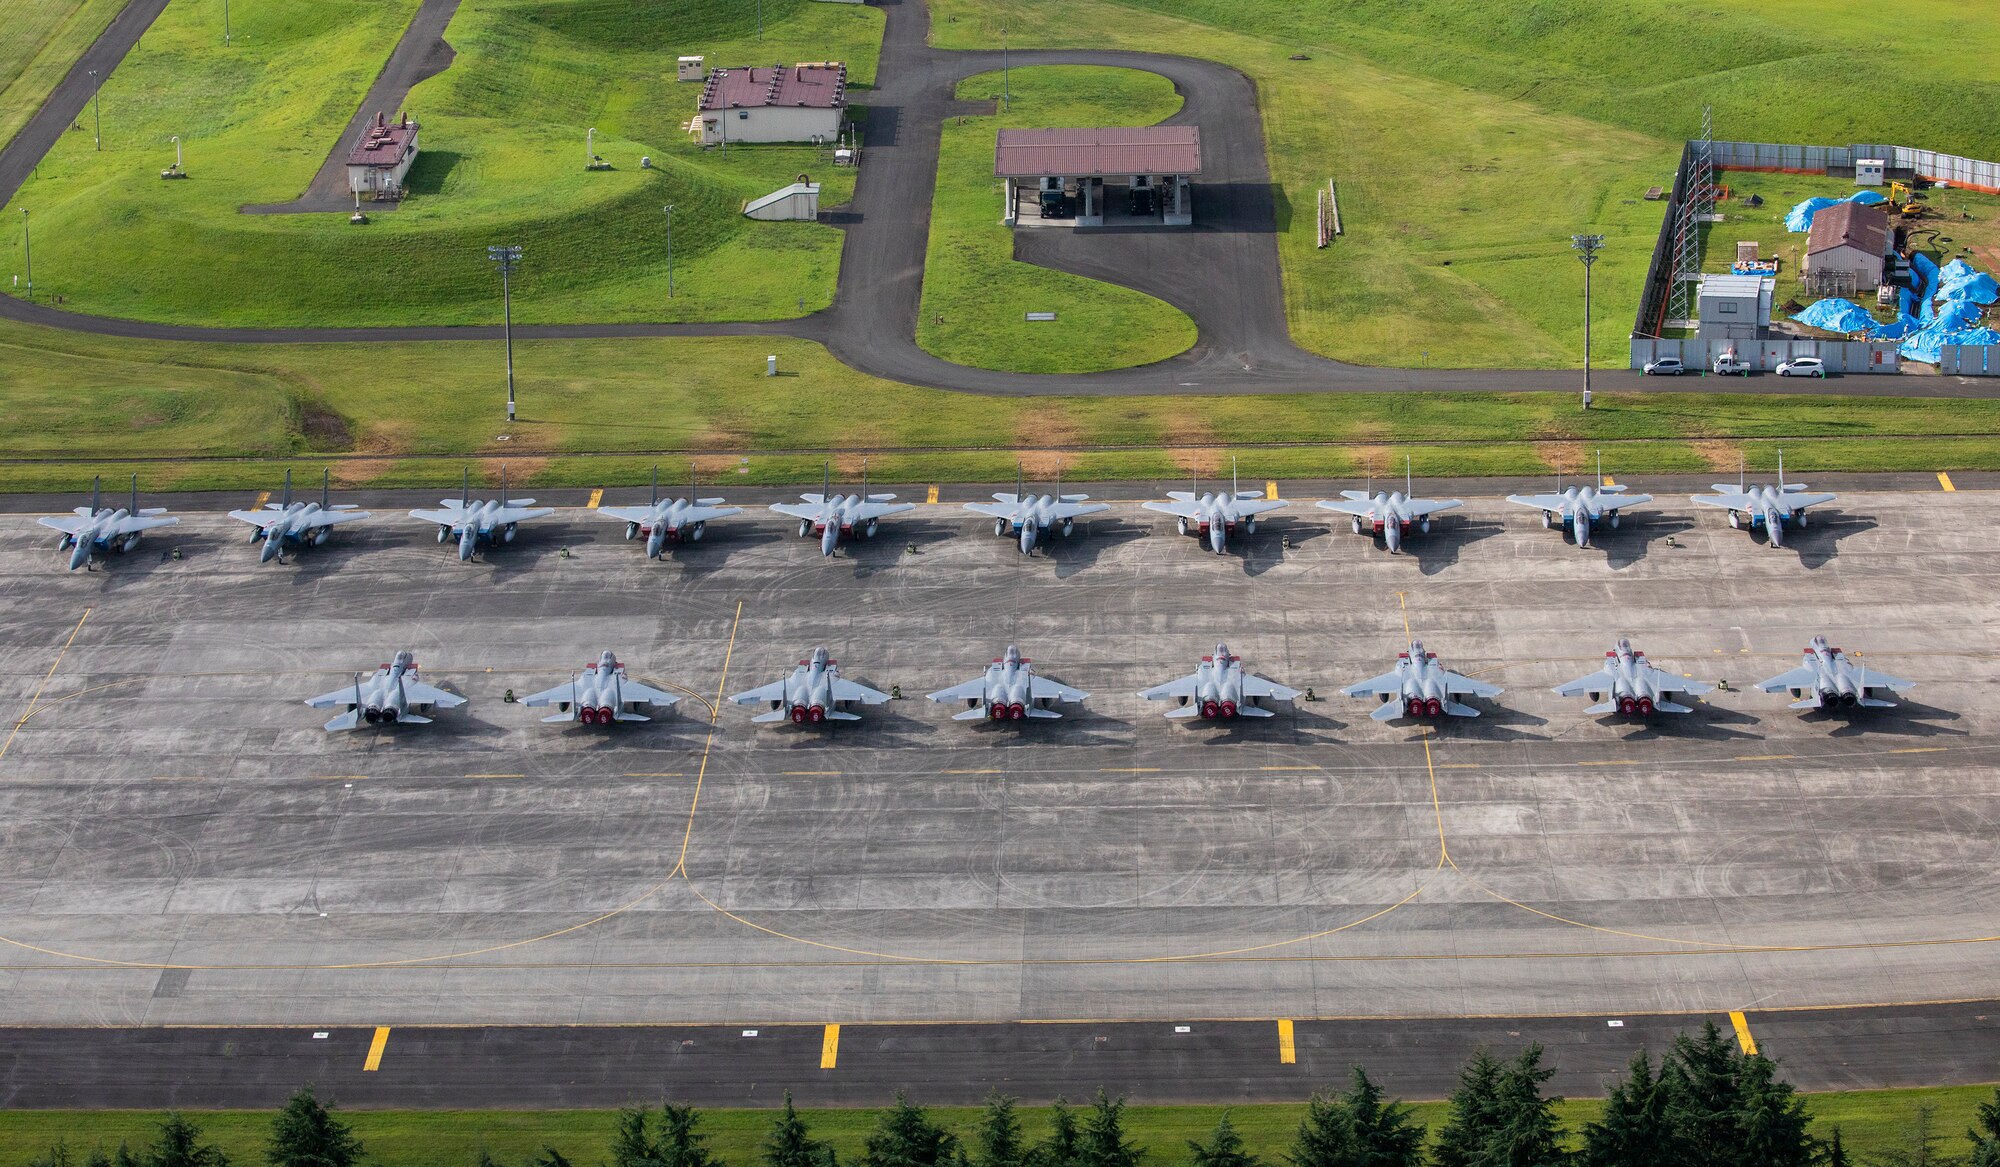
x: 1978, y: 288
x: 1927, y: 346
x: 1904, y: 326
x: 1801, y: 216
x: 1836, y: 315
x: 1954, y: 271
x: 1955, y: 314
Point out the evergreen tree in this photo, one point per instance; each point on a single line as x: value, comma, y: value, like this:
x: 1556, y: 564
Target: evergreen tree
x: 1384, y: 1133
x: 679, y: 1145
x: 306, y: 1134
x: 550, y: 1157
x: 179, y: 1145
x: 1326, y: 1135
x: 905, y: 1136
x: 632, y: 1144
x: 1771, y: 1119
x: 1701, y: 1075
x: 1000, y: 1134
x: 486, y: 1159
x: 1474, y: 1115
x: 1224, y: 1148
x: 1064, y: 1145
x: 1104, y: 1142
x: 790, y: 1144
x: 1635, y: 1130
x: 1836, y: 1154
x: 1527, y: 1132
x: 57, y: 1156
x: 1985, y: 1134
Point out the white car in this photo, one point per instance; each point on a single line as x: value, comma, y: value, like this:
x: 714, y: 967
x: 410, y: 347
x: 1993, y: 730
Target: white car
x: 1803, y: 367
x: 1729, y: 364
x: 1665, y: 367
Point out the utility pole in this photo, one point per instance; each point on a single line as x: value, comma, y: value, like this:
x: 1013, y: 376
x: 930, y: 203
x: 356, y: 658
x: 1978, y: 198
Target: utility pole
x: 760, y: 20
x: 1587, y: 247
x: 28, y: 252
x: 97, y: 121
x: 669, y: 209
x: 1006, y: 83
x: 506, y: 258
x: 225, y: 23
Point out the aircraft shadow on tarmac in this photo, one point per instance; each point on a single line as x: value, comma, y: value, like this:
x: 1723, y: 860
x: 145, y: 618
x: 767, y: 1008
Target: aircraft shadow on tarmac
x: 1081, y: 551
x: 891, y: 544
x: 716, y: 549
x: 1635, y: 538
x: 1447, y: 540
x: 1496, y: 723
x: 1817, y: 544
x: 1080, y: 726
x: 153, y: 555
x: 1907, y: 719
x: 1709, y: 722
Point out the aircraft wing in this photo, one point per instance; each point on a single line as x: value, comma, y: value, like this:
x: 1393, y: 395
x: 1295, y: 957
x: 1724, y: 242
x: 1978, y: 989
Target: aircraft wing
x: 702, y: 514
x: 519, y: 514
x: 999, y: 510
x: 1418, y: 507
x: 632, y: 690
x: 1598, y: 682
x: 1798, y: 678
x: 1043, y: 689
x: 1874, y: 679
x: 1359, y: 507
x: 1802, y: 501
x: 1070, y: 510
x: 775, y: 691
x: 131, y: 523
x: 419, y: 693
x: 846, y: 690
x: 1726, y: 497
x: 805, y: 510
x: 1541, y: 502
x: 329, y: 518
x: 1184, y: 687
x: 67, y: 524
x: 563, y: 694
x: 260, y: 518
x: 628, y: 514
x: 1387, y: 683
x: 972, y: 690
x: 1667, y: 682
x: 862, y: 512
x: 1258, y: 505
x: 1183, y: 507
x: 1456, y: 683
x: 449, y: 517
x: 341, y: 696
x: 1255, y: 686
x: 1601, y: 503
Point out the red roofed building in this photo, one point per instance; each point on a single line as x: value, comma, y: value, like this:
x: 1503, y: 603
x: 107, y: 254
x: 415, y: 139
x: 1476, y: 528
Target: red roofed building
x: 380, y: 160
x: 1060, y: 174
x: 1845, y: 247
x: 775, y: 103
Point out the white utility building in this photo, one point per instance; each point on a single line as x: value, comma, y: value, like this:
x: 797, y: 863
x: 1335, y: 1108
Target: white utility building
x: 382, y: 158
x: 1734, y: 307
x: 775, y: 103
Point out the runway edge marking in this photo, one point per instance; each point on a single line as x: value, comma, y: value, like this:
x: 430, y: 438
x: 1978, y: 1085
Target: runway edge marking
x: 1742, y: 1026
x: 829, y: 1047
x: 1288, y: 1050
x: 375, y: 1048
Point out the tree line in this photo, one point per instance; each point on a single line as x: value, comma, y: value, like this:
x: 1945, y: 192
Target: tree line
x: 1705, y: 1103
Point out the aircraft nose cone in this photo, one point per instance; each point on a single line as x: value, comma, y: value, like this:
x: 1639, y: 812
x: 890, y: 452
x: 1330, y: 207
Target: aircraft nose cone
x: 81, y: 555
x: 829, y: 539
x: 1392, y: 536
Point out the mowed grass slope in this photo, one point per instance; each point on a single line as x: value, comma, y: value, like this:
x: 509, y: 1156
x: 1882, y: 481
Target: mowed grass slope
x: 976, y: 297
x: 595, y: 413
x: 39, y: 41
x: 503, y: 156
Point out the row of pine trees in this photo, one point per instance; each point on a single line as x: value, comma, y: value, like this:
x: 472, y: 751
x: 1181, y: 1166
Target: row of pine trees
x: 1706, y: 1103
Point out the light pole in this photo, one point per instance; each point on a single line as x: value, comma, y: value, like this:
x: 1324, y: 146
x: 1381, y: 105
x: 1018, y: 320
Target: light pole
x: 669, y: 209
x: 506, y: 258
x: 1006, y: 86
x: 225, y: 23
x: 760, y: 19
x: 97, y: 122
x: 1586, y: 247
x: 28, y: 252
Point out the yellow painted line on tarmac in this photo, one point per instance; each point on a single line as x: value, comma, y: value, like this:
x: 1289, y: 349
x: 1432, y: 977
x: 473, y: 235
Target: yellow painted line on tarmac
x: 1920, y: 750
x: 1130, y: 770
x: 1271, y: 489
x: 1944, y: 480
x: 932, y: 496
x: 264, y: 496
x: 1288, y: 1053
x: 1608, y: 481
x: 375, y: 1049
x: 1764, y: 757
x: 829, y: 1047
x: 596, y: 496
x: 1743, y: 1037
x: 1457, y: 766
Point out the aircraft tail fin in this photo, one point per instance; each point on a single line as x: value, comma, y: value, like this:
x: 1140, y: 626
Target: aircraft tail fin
x: 287, y: 499
x: 96, y: 494
x: 135, y: 494
x: 326, y: 489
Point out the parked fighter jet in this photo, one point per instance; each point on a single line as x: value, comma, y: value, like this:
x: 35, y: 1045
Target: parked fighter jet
x: 1389, y: 514
x: 300, y: 524
x: 1032, y: 517
x: 485, y: 521
x: 599, y: 695
x: 1576, y: 508
x: 815, y: 692
x: 1425, y: 687
x: 1769, y: 507
x: 833, y: 515
x: 98, y: 527
x: 1630, y: 685
x: 674, y: 520
x: 394, y: 694
x: 1009, y: 690
x: 1829, y: 680
x: 1212, y: 518
x: 1220, y: 689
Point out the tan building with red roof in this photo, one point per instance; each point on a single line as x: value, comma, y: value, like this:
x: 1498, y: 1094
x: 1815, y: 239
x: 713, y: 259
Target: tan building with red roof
x: 382, y: 158
x: 773, y: 103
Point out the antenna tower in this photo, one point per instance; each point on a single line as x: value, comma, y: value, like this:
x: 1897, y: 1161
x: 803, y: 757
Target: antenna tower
x: 1696, y: 208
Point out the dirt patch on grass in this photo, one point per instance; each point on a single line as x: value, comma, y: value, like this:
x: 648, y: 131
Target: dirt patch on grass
x: 1718, y: 454
x: 519, y: 470
x: 1570, y: 459
x: 1371, y: 461
x: 325, y: 431
x: 360, y: 471
x: 386, y: 437
x: 1044, y: 428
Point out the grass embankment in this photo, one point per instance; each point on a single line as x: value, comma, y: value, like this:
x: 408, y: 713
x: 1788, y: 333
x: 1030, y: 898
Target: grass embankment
x: 38, y: 44
x: 232, y: 416
x: 1871, y: 1123
x: 976, y: 297
x: 1470, y: 138
x: 502, y: 162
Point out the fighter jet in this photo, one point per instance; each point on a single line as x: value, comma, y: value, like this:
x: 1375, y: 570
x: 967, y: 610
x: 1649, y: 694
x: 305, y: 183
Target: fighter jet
x: 814, y: 693
x: 1009, y: 690
x: 1630, y: 685
x: 1212, y: 518
x: 1426, y: 688
x: 300, y: 524
x: 833, y: 515
x: 1220, y: 689
x: 1032, y: 517
x: 485, y: 521
x: 1576, y: 508
x: 1769, y: 507
x: 600, y: 695
x: 674, y: 520
x: 97, y: 527
x: 393, y: 695
x: 1829, y: 680
x: 1389, y: 514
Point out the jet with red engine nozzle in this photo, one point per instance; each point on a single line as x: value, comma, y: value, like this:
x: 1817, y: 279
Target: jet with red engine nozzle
x: 99, y: 528
x: 1214, y: 517
x: 1009, y: 690
x: 600, y: 695
x: 472, y: 522
x: 815, y: 692
x: 1032, y: 517
x: 394, y: 695
x: 1830, y: 679
x: 1628, y: 684
x: 1220, y: 690
x: 1389, y: 514
x: 305, y: 524
x: 1770, y: 508
x: 833, y: 515
x: 673, y: 520
x: 1421, y: 687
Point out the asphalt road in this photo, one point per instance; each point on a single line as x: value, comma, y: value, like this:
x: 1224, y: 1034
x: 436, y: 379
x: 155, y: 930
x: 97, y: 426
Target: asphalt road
x: 1224, y: 272
x: 1150, y: 1063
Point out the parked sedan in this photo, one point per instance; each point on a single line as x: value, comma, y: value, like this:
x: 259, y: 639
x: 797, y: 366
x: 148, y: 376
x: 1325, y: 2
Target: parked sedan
x: 1665, y: 367
x: 1803, y: 367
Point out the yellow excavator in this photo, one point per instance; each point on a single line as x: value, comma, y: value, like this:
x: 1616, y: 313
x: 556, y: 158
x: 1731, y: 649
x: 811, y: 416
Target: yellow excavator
x: 1903, y: 201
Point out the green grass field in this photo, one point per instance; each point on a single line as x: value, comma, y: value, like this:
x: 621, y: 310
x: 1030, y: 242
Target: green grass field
x: 503, y: 160
x: 39, y: 41
x: 1871, y: 1123
x: 976, y: 298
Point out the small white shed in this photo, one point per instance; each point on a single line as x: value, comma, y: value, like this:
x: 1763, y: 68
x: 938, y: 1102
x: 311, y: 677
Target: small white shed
x: 1734, y: 307
x: 692, y: 69
x: 1868, y: 171
x: 799, y: 201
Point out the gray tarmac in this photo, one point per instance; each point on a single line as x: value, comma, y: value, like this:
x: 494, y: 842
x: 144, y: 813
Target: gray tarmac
x: 180, y: 843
